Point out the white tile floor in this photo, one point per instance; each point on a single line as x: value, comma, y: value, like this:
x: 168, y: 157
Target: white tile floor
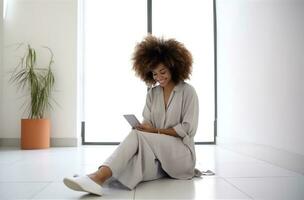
x: 38, y: 174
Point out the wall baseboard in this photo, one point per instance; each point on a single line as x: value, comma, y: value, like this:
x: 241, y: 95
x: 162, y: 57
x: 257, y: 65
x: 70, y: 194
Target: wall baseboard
x: 279, y: 157
x: 55, y: 142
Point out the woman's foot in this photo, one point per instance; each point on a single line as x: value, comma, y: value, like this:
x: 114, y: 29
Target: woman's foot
x: 101, y: 175
x: 96, y: 178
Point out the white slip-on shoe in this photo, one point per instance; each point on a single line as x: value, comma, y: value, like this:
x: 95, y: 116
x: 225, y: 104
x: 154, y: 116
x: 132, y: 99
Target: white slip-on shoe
x: 83, y: 183
x: 208, y: 173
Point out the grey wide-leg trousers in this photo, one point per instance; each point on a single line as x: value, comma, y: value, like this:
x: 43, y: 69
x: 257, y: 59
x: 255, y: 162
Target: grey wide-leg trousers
x: 134, y: 160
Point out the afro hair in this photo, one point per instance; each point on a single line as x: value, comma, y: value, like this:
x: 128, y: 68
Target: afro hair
x: 153, y: 51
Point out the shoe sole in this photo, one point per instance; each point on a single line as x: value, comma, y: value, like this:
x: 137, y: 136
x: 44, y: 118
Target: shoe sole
x: 75, y: 186
x: 72, y: 185
x: 208, y: 173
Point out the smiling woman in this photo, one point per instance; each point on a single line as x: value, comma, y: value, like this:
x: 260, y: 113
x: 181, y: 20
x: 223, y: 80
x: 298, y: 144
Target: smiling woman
x: 163, y: 144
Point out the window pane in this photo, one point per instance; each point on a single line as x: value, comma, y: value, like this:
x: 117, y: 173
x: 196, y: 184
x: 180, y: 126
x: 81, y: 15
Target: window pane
x: 191, y: 22
x: 111, y: 89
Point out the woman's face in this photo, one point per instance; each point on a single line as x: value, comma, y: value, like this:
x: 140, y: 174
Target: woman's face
x: 162, y: 75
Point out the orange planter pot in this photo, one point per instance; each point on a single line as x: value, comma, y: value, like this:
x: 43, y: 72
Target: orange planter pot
x: 35, y: 133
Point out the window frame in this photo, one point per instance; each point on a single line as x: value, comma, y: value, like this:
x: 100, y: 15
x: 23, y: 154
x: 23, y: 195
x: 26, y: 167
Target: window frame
x: 149, y: 30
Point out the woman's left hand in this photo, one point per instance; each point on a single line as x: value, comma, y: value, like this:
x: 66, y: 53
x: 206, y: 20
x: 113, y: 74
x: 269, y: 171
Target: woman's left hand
x: 146, y: 128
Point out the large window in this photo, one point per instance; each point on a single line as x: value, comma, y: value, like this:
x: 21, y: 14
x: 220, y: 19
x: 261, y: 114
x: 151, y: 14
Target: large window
x: 111, y: 31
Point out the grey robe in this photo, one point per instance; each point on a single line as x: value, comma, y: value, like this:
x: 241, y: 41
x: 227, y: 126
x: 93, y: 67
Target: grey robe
x: 146, y: 156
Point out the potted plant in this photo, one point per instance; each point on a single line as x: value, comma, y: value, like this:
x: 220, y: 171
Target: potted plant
x: 39, y: 83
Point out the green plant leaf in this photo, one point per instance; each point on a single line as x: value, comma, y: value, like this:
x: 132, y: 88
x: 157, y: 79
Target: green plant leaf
x: 38, y: 80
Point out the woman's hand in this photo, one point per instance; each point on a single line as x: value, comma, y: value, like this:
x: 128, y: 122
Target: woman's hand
x: 146, y: 128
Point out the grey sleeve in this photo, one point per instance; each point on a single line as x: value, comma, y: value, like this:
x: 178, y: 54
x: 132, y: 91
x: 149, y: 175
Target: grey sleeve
x: 147, y: 109
x: 190, y: 113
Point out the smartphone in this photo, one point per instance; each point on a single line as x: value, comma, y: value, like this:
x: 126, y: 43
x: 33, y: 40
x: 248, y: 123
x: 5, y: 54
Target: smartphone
x: 133, y: 121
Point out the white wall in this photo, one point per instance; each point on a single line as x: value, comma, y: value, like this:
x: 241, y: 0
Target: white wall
x: 1, y: 59
x: 42, y: 22
x: 261, y: 72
